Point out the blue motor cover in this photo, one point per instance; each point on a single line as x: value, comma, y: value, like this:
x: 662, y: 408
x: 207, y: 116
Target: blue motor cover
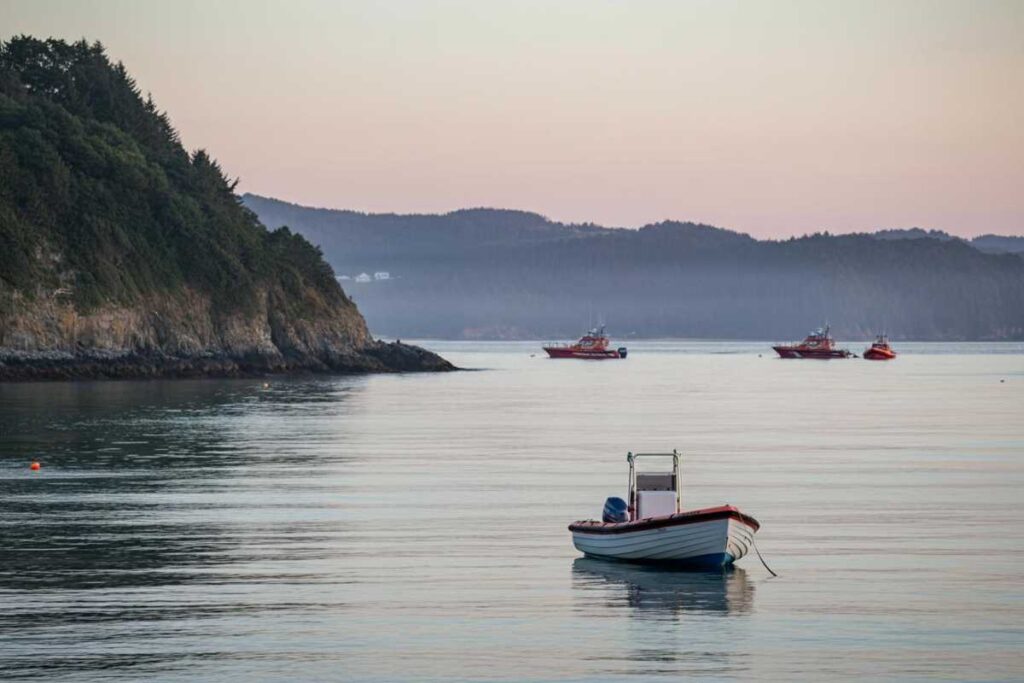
x: 615, y: 510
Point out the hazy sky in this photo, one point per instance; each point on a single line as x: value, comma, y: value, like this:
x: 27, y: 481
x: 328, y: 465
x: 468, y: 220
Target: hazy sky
x: 773, y: 118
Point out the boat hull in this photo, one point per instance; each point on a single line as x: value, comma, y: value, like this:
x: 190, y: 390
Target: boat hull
x: 816, y: 354
x: 701, y: 539
x: 879, y: 354
x: 567, y: 352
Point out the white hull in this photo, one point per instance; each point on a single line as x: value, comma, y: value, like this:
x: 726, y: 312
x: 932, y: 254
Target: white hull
x: 716, y: 542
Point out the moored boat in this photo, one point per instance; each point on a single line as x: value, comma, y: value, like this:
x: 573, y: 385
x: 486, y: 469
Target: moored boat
x: 653, y: 529
x: 592, y: 346
x: 818, y: 344
x: 880, y: 349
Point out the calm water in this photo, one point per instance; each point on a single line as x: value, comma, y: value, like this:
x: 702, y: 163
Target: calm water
x: 413, y: 527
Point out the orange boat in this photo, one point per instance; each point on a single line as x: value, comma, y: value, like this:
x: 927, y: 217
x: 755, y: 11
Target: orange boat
x: 591, y: 346
x: 880, y: 349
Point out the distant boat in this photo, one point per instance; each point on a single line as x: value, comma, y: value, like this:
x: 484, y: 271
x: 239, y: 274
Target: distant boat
x: 652, y: 529
x: 880, y: 349
x: 592, y: 346
x: 818, y: 344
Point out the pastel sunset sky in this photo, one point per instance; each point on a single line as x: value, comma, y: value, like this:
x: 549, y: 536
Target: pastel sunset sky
x: 773, y: 118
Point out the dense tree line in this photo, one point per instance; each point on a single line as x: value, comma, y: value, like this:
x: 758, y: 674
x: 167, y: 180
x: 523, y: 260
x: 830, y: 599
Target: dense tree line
x: 99, y: 200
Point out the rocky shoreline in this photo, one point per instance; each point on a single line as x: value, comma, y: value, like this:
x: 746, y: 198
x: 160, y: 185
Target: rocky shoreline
x: 184, y: 335
x: 90, y: 364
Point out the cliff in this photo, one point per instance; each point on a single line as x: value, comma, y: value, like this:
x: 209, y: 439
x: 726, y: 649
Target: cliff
x: 122, y: 255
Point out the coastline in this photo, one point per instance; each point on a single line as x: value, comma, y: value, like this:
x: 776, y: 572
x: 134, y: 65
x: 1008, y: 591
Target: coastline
x: 102, y: 364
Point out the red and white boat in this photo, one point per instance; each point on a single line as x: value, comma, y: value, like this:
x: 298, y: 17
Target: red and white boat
x: 880, y: 349
x: 818, y: 344
x: 591, y: 346
x: 653, y: 529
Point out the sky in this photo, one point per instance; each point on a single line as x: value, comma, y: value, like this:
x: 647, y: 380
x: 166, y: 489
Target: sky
x: 773, y: 118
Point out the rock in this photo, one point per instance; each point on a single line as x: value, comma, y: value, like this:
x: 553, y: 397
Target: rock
x: 401, y: 357
x: 183, y: 336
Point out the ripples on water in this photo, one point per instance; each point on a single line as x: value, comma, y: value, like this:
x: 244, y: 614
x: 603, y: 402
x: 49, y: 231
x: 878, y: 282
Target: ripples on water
x: 413, y: 527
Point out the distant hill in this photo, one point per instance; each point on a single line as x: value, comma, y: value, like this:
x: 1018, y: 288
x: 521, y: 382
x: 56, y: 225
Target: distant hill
x: 911, y: 234
x: 999, y: 244
x: 121, y: 254
x: 391, y: 236
x: 991, y: 244
x: 505, y: 274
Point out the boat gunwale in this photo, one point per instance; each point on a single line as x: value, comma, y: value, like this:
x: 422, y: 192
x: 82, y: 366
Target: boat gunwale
x: 677, y: 519
x: 572, y: 352
x: 794, y: 351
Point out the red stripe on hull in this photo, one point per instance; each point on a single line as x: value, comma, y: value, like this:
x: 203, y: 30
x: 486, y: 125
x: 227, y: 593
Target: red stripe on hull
x: 790, y: 352
x: 560, y: 352
x: 678, y: 519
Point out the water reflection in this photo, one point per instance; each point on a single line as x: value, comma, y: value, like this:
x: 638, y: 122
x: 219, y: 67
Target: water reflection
x: 174, y: 427
x: 661, y: 593
x: 153, y: 497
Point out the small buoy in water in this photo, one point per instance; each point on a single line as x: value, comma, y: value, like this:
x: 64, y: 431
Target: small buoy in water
x: 35, y: 465
x: 1002, y: 381
x: 266, y: 385
x: 758, y: 355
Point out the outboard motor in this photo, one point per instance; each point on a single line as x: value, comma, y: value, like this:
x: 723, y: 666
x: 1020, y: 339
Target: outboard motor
x: 615, y: 511
x: 622, y: 352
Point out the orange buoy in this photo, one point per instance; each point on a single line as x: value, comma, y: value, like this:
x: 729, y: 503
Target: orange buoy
x: 35, y: 465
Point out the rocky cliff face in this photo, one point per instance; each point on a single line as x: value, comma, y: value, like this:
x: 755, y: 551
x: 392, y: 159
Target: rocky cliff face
x: 182, y: 335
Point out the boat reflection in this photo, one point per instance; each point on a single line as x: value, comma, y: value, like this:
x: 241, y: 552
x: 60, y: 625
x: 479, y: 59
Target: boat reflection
x: 658, y: 592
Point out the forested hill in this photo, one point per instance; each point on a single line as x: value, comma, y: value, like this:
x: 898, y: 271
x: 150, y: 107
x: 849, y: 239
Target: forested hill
x: 387, y: 236
x: 993, y: 244
x: 507, y: 274
x: 121, y: 254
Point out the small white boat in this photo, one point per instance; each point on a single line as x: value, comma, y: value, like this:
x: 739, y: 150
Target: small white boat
x: 652, y: 528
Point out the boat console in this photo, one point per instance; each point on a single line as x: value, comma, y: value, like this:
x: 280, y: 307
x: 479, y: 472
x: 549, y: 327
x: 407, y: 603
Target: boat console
x: 653, y: 494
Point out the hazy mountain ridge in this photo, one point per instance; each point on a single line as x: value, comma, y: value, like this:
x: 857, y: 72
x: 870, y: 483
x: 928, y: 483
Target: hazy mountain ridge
x: 415, y: 235
x: 668, y: 279
x: 992, y: 244
x: 999, y: 244
x: 121, y: 254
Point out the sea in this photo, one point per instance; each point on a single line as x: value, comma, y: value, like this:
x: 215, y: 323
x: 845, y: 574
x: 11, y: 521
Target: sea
x: 413, y: 527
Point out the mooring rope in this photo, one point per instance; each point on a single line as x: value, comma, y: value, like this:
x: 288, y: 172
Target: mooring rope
x: 754, y: 543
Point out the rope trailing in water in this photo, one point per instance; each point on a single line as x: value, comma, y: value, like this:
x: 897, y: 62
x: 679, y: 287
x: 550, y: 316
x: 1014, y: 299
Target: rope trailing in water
x: 753, y: 543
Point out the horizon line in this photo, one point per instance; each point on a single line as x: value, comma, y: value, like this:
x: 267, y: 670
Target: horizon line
x: 823, y: 231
